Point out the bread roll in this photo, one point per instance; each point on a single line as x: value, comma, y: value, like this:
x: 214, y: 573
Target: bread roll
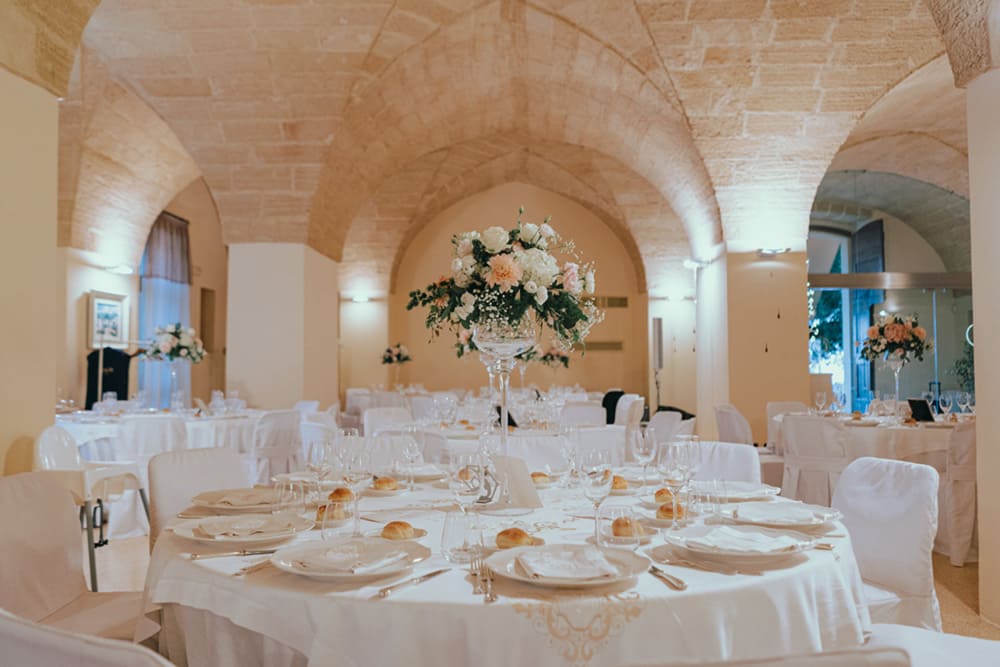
x: 398, y: 530
x: 465, y: 474
x: 385, y: 484
x: 540, y: 478
x: 337, y: 512
x: 666, y: 511
x: 624, y: 526
x: 664, y: 496
x: 606, y: 476
x: 341, y: 495
x: 514, y: 537
x: 618, y: 483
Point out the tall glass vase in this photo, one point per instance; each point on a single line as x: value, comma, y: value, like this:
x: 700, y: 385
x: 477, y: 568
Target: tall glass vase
x: 179, y: 396
x: 503, y: 340
x: 895, y: 364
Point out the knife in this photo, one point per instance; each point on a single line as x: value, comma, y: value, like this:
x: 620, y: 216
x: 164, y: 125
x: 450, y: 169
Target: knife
x: 389, y: 590
x: 244, y: 552
x: 670, y: 580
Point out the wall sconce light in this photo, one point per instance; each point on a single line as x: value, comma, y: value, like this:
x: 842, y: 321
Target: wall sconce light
x: 772, y: 252
x: 694, y: 264
x: 360, y: 299
x: 121, y: 270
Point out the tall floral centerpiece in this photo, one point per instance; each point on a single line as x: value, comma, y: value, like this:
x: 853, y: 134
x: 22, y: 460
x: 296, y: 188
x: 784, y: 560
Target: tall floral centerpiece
x: 505, y: 286
x: 178, y: 345
x: 554, y: 357
x: 395, y: 356
x: 897, y: 340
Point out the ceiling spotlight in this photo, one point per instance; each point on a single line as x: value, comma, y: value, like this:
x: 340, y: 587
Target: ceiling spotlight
x: 360, y: 299
x: 121, y: 269
x: 772, y: 252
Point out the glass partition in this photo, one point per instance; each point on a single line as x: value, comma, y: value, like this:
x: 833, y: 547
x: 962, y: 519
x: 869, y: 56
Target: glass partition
x: 839, y: 318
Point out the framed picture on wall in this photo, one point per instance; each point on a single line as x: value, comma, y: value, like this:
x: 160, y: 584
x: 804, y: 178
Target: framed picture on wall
x: 107, y: 320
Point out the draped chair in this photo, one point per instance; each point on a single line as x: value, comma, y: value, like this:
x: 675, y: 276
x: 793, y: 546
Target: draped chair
x: 306, y: 407
x: 623, y: 406
x: 277, y: 446
x: 730, y: 461
x: 732, y: 425
x: 665, y: 424
x: 377, y: 418
x: 143, y: 437
x: 583, y: 413
x: 890, y: 511
x: 422, y: 407
x: 778, y: 409
x: 815, y: 456
x: 42, y: 575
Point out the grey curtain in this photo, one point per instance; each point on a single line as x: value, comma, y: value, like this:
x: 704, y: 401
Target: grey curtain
x: 168, y: 250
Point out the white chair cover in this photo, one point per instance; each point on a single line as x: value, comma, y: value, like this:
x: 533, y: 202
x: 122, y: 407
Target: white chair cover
x: 327, y: 419
x: 582, y: 414
x: 934, y: 649
x: 957, y: 497
x: 387, y: 399
x: 815, y: 455
x: 143, y: 437
x: 687, y: 427
x: 27, y: 643
x: 538, y: 452
x: 306, y: 407
x: 603, y: 437
x: 623, y: 406
x: 176, y: 477
x: 378, y: 418
x: 42, y: 575
x: 732, y: 425
x: 422, y: 407
x: 315, y: 432
x: 774, y: 409
x: 665, y: 424
x: 730, y: 461
x: 356, y: 400
x: 277, y: 446
x: 890, y: 510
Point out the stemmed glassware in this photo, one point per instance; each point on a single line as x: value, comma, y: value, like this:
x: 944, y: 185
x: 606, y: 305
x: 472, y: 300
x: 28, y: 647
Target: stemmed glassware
x: 568, y: 449
x: 289, y: 498
x: 642, y: 442
x: 318, y: 461
x: 596, y: 478
x: 413, y: 452
x: 465, y: 479
x: 945, y: 402
x: 356, y: 472
x: 820, y: 400
x: 674, y: 463
x: 963, y: 401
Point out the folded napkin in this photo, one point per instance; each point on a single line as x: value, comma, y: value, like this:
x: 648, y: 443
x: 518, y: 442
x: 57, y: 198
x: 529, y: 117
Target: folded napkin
x: 779, y: 512
x: 724, y: 538
x: 243, y: 526
x: 349, y: 561
x: 567, y: 563
x: 246, y: 497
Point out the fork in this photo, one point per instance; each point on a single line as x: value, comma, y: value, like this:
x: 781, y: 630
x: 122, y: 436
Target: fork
x: 490, y: 595
x: 476, y: 569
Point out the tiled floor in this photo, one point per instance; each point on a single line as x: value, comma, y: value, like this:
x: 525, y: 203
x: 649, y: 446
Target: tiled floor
x: 121, y: 566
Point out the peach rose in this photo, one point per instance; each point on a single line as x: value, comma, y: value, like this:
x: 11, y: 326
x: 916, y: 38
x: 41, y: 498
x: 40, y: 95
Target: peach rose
x: 895, y: 333
x: 873, y: 332
x: 504, y: 272
x: 920, y: 332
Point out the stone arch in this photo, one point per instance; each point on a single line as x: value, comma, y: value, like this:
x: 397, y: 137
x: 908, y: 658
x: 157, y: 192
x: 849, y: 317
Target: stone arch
x: 467, y: 81
x: 971, y: 34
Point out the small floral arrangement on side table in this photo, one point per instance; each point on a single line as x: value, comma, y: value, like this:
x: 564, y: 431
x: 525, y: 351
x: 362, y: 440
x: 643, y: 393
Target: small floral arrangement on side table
x: 396, y: 354
x: 554, y: 356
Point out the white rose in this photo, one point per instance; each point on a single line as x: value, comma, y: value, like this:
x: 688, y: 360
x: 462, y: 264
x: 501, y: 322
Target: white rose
x: 495, y: 239
x: 469, y: 264
x: 530, y: 287
x: 463, y: 247
x: 456, y: 265
x: 542, y: 243
x: 590, y: 283
x: 462, y: 279
x: 184, y: 352
x: 529, y: 232
x: 547, y: 231
x: 468, y: 300
x: 542, y: 295
x: 538, y: 266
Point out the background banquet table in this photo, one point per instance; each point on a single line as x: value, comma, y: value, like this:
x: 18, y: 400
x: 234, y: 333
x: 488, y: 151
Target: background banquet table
x: 211, y: 617
x: 98, y: 439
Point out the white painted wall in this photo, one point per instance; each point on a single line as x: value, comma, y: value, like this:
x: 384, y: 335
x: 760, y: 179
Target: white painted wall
x: 712, y: 344
x: 29, y: 267
x: 364, y: 334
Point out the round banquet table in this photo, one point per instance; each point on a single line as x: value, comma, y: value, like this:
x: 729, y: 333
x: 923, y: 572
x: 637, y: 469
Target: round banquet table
x: 270, y: 617
x: 98, y: 438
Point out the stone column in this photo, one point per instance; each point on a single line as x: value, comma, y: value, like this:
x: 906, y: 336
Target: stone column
x: 282, y: 328
x: 983, y: 100
x: 30, y: 297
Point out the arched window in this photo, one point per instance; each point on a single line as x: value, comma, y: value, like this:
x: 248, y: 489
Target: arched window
x: 164, y: 298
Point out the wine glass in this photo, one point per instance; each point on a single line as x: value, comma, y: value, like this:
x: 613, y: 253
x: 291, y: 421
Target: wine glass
x: 596, y: 478
x: 568, y: 448
x: 456, y: 545
x: 963, y: 401
x: 945, y: 402
x: 642, y: 441
x: 413, y: 452
x: 356, y: 473
x: 318, y: 460
x: 972, y: 402
x: 465, y: 479
x: 673, y: 463
x: 289, y: 498
x: 820, y: 400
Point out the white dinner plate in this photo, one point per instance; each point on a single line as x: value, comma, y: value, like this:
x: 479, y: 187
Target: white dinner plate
x: 187, y: 530
x: 385, y: 493
x: 650, y: 519
x: 736, y: 492
x: 307, y: 477
x: 628, y: 563
x: 211, y: 500
x: 290, y: 558
x: 418, y: 533
x: 783, y: 515
x: 792, y: 542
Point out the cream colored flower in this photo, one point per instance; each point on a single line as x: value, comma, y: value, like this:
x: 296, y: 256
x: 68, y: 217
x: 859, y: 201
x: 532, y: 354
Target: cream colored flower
x: 495, y: 239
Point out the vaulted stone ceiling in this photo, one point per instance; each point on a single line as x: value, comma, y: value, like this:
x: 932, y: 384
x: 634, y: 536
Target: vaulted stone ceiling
x: 726, y: 114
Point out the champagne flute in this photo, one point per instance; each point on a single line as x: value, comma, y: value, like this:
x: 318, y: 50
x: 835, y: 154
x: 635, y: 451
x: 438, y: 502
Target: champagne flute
x: 820, y: 400
x: 596, y: 478
x: 357, y: 475
x: 643, y: 444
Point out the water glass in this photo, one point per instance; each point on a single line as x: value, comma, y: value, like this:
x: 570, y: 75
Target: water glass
x: 335, y: 515
x: 357, y: 474
x: 820, y: 400
x: 945, y: 402
x: 596, y: 478
x: 963, y: 401
x: 465, y: 479
x: 460, y: 539
x: 642, y: 442
x: 289, y: 498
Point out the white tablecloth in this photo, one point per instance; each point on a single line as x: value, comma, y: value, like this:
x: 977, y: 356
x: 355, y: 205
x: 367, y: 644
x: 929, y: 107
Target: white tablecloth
x: 98, y: 440
x: 270, y: 617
